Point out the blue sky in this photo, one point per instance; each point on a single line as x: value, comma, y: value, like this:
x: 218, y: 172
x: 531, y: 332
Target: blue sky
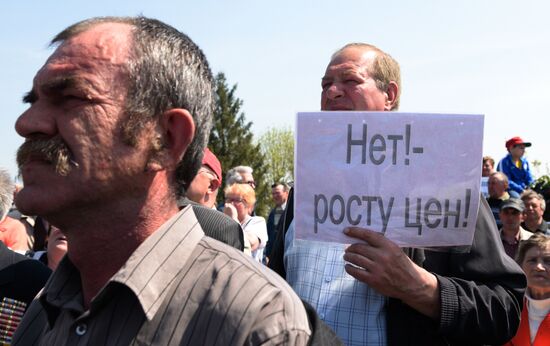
x: 488, y: 57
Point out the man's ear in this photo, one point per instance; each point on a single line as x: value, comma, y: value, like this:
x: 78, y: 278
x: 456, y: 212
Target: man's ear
x: 178, y: 130
x: 214, y: 184
x: 391, y: 96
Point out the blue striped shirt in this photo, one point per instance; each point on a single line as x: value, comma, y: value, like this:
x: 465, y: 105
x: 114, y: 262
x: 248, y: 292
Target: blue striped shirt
x: 352, y: 309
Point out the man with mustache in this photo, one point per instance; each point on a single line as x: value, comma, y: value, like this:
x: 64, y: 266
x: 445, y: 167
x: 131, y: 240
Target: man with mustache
x: 374, y: 293
x: 117, y: 123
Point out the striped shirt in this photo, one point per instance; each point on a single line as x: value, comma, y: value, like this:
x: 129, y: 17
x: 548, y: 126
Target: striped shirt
x: 178, y: 288
x: 316, y: 271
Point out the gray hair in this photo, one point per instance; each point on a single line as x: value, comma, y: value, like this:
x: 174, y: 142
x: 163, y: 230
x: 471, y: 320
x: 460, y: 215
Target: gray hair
x: 166, y: 70
x: 6, y: 193
x: 530, y: 194
x: 233, y: 176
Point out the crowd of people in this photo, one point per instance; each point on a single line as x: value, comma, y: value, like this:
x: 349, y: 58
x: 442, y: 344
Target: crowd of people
x: 119, y: 210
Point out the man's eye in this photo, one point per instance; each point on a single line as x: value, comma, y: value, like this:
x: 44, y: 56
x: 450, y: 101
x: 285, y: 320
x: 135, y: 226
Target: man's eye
x: 351, y: 81
x: 72, y: 97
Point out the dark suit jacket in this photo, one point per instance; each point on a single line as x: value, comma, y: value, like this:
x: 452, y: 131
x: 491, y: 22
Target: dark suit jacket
x: 20, y: 277
x: 271, y: 232
x: 216, y: 224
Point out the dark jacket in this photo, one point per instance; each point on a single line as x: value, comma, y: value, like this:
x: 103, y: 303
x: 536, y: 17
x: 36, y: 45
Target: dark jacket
x: 481, y: 291
x: 271, y: 232
x: 21, y: 278
x: 216, y: 224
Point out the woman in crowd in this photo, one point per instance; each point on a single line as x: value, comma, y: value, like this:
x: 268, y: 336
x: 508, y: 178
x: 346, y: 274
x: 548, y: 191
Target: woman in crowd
x: 534, y: 258
x: 56, y: 247
x: 239, y: 203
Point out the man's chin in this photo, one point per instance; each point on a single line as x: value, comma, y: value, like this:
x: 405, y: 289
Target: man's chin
x: 27, y: 203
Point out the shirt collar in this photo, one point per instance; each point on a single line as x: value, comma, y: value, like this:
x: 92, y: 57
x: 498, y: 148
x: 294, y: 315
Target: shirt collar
x: 155, y: 264
x: 148, y: 272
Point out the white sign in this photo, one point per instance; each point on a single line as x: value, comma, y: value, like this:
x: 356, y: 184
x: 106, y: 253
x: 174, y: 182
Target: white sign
x: 413, y: 177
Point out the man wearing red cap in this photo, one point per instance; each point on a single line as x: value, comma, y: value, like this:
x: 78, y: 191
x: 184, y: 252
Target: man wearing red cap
x: 515, y: 166
x: 204, y: 187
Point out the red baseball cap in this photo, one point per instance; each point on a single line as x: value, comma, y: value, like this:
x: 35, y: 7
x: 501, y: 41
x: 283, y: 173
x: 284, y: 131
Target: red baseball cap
x: 512, y: 142
x: 211, y: 161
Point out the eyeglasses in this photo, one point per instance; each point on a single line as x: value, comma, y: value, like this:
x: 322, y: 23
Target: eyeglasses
x: 235, y: 200
x: 252, y: 183
x: 207, y: 171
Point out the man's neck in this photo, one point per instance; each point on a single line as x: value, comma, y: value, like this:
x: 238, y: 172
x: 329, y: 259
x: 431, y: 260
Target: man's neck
x: 532, y: 225
x: 511, y: 235
x: 102, y: 240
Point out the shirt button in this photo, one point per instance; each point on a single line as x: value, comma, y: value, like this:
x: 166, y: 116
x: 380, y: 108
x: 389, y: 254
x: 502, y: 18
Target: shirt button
x: 327, y: 279
x: 322, y: 316
x: 81, y: 329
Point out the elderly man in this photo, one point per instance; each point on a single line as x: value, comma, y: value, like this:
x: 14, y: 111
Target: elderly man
x: 381, y: 295
x: 511, y: 233
x: 498, y: 184
x: 201, y: 195
x: 534, y: 209
x: 205, y: 186
x: 118, y: 120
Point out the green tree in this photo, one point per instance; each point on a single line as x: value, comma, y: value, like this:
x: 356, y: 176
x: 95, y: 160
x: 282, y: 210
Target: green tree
x: 277, y: 146
x: 232, y: 140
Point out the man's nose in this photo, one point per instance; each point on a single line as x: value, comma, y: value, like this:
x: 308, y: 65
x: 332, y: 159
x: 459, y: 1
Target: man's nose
x: 35, y: 122
x: 334, y: 91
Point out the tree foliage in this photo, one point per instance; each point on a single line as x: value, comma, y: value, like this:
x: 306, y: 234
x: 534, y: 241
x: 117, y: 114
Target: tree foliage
x: 277, y: 146
x: 232, y: 140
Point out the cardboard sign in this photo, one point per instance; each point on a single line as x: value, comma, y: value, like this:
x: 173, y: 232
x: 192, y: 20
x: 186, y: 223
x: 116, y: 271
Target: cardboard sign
x: 413, y: 177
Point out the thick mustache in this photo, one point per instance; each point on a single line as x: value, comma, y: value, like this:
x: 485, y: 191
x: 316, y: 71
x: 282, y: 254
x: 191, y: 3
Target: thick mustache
x: 52, y: 150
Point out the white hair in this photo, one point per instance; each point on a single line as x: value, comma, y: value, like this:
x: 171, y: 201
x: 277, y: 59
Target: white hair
x: 7, y: 187
x: 233, y: 176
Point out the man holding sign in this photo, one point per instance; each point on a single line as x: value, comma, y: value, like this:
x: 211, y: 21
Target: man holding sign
x: 400, y: 296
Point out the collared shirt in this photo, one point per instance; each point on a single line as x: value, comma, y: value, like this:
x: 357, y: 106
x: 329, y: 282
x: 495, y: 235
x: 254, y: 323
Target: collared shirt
x: 511, y: 248
x: 352, y: 309
x: 542, y: 228
x: 484, y: 189
x: 178, y: 287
